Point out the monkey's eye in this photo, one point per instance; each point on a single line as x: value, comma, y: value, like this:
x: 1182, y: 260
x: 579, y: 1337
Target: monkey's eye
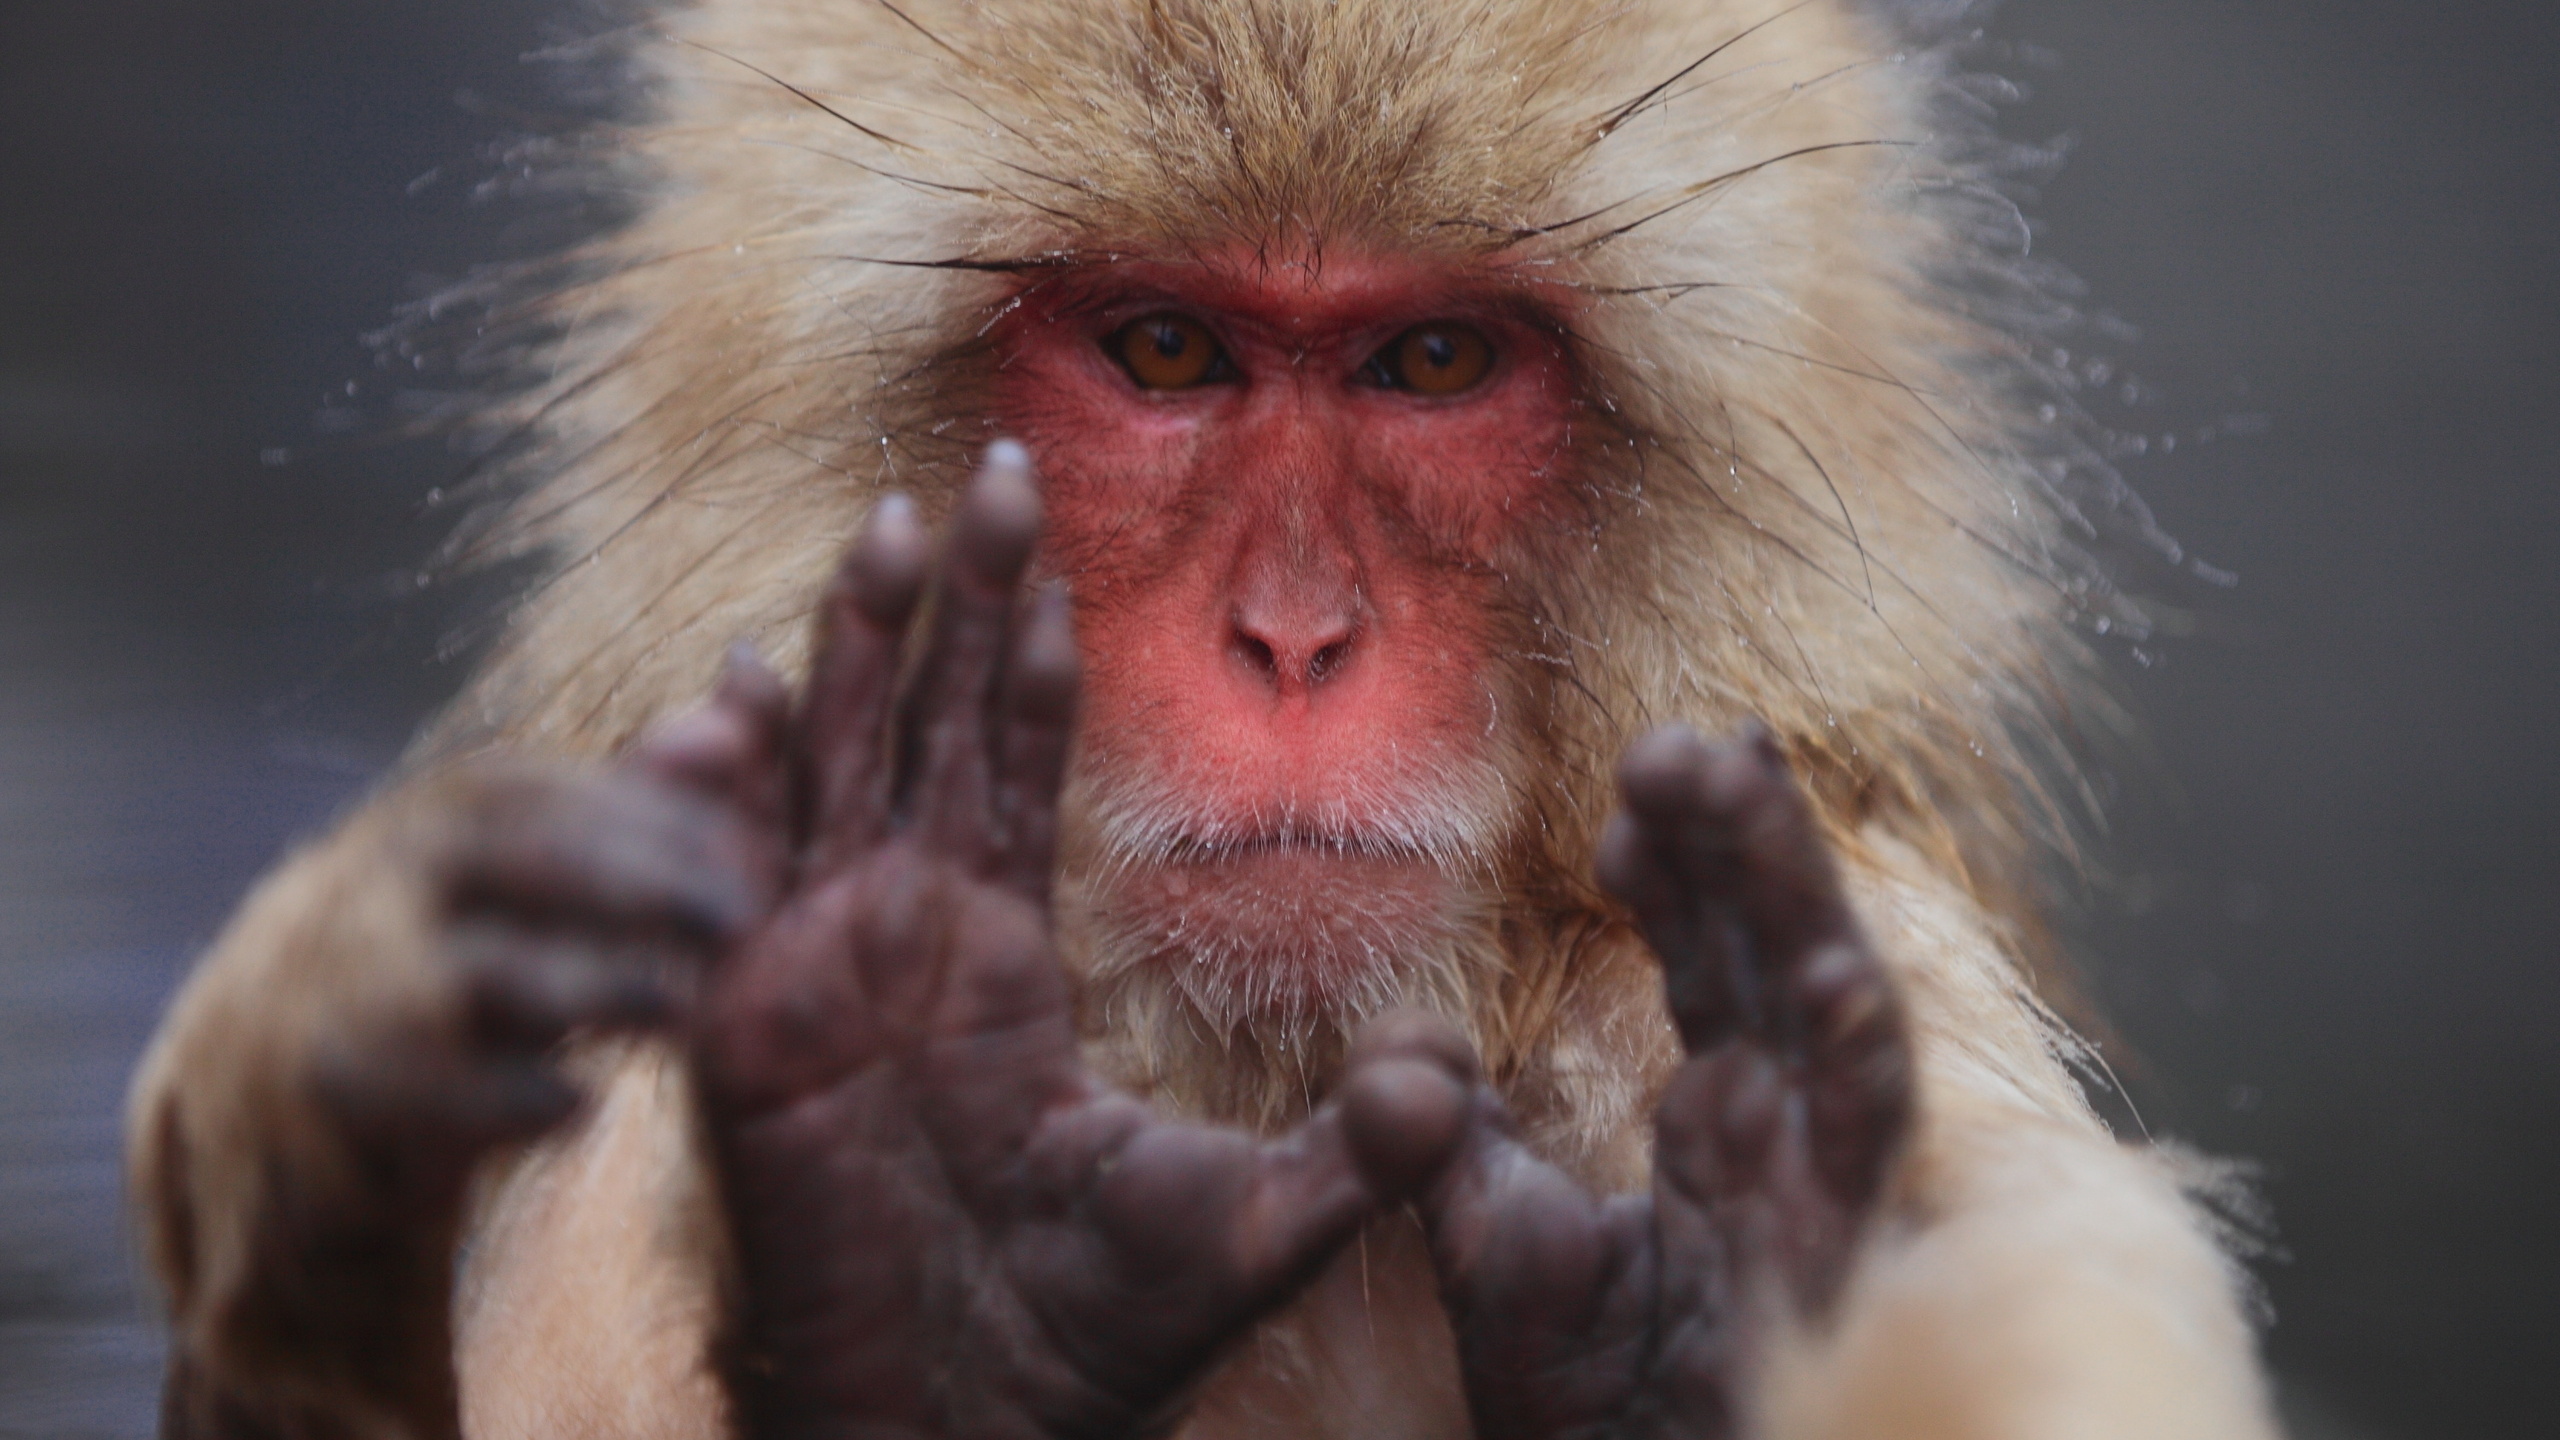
x: 1169, y: 352
x: 1441, y: 358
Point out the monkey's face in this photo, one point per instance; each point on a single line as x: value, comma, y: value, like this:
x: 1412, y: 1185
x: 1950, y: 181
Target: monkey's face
x: 1287, y: 495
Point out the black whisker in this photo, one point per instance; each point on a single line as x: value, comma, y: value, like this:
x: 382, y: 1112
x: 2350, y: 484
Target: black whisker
x: 1627, y: 111
x: 1704, y: 188
x: 805, y: 96
x: 938, y: 41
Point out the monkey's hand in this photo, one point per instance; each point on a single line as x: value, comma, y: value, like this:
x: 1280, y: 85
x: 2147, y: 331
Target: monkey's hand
x: 1641, y: 1315
x: 381, y: 1016
x: 945, y: 1226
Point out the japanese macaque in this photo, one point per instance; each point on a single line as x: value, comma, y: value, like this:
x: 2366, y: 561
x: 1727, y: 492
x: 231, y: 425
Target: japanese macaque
x: 1247, y: 933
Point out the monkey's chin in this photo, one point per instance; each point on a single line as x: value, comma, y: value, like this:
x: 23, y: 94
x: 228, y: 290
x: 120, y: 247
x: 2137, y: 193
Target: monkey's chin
x: 1289, y: 933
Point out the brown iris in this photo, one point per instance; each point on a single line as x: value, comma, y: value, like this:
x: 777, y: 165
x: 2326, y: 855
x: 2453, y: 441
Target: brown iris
x: 1167, y: 352
x: 1441, y: 358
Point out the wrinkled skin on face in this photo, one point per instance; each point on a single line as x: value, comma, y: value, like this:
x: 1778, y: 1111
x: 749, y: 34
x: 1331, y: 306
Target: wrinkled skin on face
x: 1292, y: 582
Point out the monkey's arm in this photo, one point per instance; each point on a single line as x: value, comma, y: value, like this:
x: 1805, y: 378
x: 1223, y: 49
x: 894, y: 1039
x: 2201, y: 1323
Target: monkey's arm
x: 376, y: 1019
x: 1820, y: 1258
x: 1650, y: 1315
x: 2030, y: 1275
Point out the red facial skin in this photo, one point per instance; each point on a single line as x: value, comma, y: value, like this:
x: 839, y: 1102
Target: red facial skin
x: 1286, y: 582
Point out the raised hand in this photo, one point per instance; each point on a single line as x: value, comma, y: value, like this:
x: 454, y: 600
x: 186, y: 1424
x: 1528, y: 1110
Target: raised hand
x: 945, y: 1227
x: 1638, y: 1316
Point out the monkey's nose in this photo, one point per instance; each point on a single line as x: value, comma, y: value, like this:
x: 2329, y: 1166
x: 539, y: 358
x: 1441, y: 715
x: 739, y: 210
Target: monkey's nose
x: 1292, y: 651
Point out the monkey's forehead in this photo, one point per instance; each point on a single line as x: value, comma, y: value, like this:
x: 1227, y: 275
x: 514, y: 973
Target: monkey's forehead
x: 1433, y: 128
x: 1304, y: 289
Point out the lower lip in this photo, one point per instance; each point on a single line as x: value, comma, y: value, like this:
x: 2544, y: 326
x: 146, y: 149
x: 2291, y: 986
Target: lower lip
x: 1289, y: 888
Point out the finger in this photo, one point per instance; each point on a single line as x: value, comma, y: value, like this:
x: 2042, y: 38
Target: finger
x: 1399, y: 1119
x: 1788, y: 891
x: 1517, y: 1238
x: 1553, y: 1292
x: 727, y: 748
x: 431, y: 1110
x: 949, y: 724
x: 1246, y: 1222
x: 1859, y: 1072
x: 1406, y: 1099
x: 526, y: 992
x: 842, y: 730
x: 618, y: 853
x: 1706, y: 977
x: 789, y: 1014
x: 1002, y: 1050
x: 1176, y: 1203
x: 1718, y: 1123
x: 1744, y: 1194
x: 1039, y: 722
x: 733, y: 750
x: 1723, y: 861
x: 1265, y: 1215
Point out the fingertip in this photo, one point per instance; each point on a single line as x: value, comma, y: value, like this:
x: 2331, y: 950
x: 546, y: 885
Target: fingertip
x: 1007, y: 454
x: 1403, y: 1119
x: 750, y: 686
x: 1744, y: 777
x: 1000, y: 515
x: 886, y: 572
x: 1763, y: 741
x: 698, y: 748
x: 1168, y: 1191
x: 1659, y: 772
x: 1619, y: 862
x: 1412, y: 1033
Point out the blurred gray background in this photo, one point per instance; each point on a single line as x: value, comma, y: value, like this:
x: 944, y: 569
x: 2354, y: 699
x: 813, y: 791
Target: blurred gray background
x: 2325, y: 929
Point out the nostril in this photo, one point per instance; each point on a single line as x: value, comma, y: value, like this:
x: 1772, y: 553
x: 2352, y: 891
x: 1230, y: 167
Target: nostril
x: 1257, y: 653
x: 1290, y: 653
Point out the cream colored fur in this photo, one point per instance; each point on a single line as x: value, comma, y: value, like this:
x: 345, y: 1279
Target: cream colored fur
x: 1817, y: 493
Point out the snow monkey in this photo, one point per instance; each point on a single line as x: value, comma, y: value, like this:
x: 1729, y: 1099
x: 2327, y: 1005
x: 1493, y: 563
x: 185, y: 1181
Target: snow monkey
x: 1244, y: 718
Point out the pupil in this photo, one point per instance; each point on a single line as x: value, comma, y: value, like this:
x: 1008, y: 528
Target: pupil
x: 1439, y: 351
x: 1171, y: 342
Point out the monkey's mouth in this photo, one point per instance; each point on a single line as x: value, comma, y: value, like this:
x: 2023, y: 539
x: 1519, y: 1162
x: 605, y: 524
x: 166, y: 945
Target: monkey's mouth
x: 1258, y: 873
x: 1422, y: 832
x: 1319, y: 886
x: 1285, y: 844
x: 1323, y: 905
